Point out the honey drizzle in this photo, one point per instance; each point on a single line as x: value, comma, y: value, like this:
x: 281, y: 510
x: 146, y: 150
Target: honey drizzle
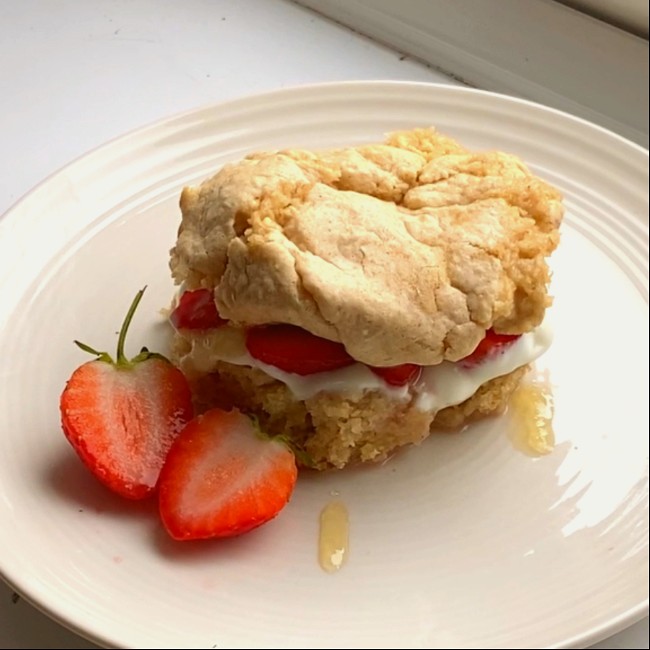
x: 532, y: 408
x: 333, y: 539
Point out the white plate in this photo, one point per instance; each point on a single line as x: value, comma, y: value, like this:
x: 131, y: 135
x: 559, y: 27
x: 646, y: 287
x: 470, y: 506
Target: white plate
x: 463, y: 542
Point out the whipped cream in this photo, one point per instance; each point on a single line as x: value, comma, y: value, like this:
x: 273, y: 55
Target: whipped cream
x: 448, y: 384
x: 438, y: 387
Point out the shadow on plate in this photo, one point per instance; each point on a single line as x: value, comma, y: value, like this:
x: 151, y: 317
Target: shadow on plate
x: 69, y: 479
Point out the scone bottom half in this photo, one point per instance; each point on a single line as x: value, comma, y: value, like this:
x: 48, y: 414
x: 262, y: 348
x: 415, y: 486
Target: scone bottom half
x: 354, y: 299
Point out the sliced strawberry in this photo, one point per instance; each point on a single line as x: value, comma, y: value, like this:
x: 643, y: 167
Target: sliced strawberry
x: 492, y: 344
x: 406, y: 373
x: 196, y: 310
x: 222, y: 478
x: 295, y: 350
x: 122, y: 416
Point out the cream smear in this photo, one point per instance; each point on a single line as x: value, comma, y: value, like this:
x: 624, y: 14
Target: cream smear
x: 445, y: 384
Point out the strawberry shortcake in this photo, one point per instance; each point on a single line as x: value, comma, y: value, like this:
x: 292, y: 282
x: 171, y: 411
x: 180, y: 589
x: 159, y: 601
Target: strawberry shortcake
x: 356, y: 298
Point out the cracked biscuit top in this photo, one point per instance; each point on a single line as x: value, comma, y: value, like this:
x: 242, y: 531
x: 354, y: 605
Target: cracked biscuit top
x: 406, y: 252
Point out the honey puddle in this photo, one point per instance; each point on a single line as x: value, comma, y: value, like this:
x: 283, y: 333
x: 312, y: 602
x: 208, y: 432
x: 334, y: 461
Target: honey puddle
x: 531, y: 409
x: 333, y: 539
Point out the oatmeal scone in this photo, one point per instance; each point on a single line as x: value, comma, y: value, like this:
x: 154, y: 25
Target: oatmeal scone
x: 355, y: 297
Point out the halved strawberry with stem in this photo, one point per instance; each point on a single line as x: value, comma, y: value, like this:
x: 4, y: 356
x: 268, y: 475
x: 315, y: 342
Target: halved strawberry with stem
x: 492, y: 344
x: 295, y: 350
x: 223, y: 477
x: 121, y: 416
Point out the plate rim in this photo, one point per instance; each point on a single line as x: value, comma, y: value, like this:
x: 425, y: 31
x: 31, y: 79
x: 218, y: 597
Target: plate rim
x: 298, y: 88
x: 603, y: 631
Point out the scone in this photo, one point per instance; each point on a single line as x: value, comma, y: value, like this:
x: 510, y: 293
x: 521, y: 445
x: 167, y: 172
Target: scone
x: 351, y: 299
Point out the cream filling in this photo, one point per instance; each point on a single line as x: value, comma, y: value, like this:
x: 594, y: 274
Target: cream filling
x: 438, y: 387
x: 448, y: 384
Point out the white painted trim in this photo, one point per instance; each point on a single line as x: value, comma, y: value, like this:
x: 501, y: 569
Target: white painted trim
x: 538, y: 49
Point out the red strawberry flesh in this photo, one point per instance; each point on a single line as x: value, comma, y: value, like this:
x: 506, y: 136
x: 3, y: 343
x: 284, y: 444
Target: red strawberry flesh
x: 492, y: 344
x: 196, y: 310
x: 406, y: 373
x: 295, y: 350
x: 122, y: 422
x: 221, y: 478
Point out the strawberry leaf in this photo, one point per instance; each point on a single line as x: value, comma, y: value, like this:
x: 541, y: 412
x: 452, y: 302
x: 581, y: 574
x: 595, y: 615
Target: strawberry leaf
x: 101, y: 356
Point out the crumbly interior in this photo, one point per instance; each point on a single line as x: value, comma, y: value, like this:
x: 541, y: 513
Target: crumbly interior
x: 406, y: 251
x: 336, y: 430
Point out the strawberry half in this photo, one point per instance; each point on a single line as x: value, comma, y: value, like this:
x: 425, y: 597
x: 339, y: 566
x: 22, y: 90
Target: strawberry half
x: 196, y: 310
x: 406, y: 373
x: 493, y: 343
x: 223, y: 477
x: 295, y: 350
x: 122, y: 416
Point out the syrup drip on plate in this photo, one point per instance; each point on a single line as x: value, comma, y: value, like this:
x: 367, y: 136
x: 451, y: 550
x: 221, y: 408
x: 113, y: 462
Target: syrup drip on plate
x: 334, y: 536
x: 531, y: 408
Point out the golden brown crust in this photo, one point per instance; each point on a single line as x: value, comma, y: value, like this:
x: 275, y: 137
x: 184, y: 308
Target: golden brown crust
x: 405, y: 252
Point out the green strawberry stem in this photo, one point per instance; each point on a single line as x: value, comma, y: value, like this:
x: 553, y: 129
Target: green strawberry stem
x: 120, y: 360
